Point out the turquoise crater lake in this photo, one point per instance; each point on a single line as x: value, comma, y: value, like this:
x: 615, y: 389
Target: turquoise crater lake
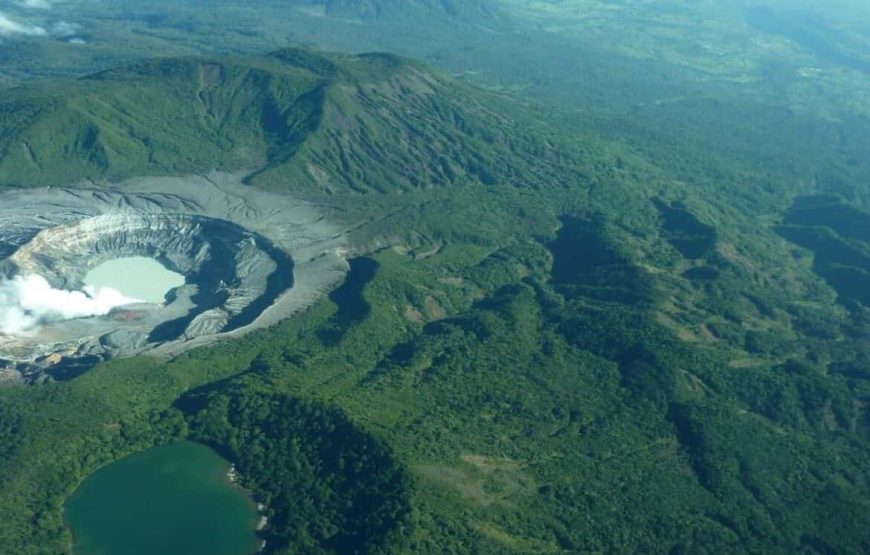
x: 173, y: 500
x: 137, y: 277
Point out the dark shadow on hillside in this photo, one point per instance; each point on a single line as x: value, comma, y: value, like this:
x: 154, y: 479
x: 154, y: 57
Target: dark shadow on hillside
x: 352, y: 306
x: 278, y: 281
x: 587, y: 263
x: 328, y: 485
x: 838, y: 234
x: 684, y: 231
x: 71, y: 368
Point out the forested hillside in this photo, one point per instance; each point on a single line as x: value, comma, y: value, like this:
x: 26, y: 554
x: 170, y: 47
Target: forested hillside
x: 608, y: 288
x: 299, y: 120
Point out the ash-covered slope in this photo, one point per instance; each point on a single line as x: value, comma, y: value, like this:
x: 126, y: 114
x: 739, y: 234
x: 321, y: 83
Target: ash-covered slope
x: 325, y: 123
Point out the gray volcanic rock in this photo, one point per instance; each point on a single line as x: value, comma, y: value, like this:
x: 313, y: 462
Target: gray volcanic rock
x: 250, y: 258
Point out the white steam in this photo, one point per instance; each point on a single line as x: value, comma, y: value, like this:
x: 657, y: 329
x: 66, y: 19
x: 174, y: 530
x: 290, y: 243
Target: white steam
x: 27, y: 302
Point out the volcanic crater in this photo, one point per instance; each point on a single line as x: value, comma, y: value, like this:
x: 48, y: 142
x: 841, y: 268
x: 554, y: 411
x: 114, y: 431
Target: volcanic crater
x: 249, y: 258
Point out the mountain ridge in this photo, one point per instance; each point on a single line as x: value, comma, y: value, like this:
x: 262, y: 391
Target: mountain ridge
x: 322, y: 120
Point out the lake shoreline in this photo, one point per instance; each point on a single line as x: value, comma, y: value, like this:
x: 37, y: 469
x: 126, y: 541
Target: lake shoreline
x: 183, y: 488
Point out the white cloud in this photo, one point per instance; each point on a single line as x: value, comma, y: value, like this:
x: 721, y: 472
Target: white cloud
x: 8, y: 28
x: 65, y: 28
x: 27, y: 302
x: 35, y: 4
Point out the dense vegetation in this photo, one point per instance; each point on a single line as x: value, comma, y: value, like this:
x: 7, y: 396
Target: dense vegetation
x: 328, y: 487
x: 631, y: 318
x: 311, y: 122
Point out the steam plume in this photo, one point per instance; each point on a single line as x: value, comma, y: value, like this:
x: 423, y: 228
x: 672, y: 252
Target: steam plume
x: 27, y: 302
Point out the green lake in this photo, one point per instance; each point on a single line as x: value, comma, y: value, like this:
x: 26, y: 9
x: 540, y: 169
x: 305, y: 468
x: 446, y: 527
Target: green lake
x: 137, y: 277
x: 169, y: 500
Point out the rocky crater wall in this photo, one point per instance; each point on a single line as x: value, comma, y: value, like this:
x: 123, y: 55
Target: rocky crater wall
x: 249, y: 259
